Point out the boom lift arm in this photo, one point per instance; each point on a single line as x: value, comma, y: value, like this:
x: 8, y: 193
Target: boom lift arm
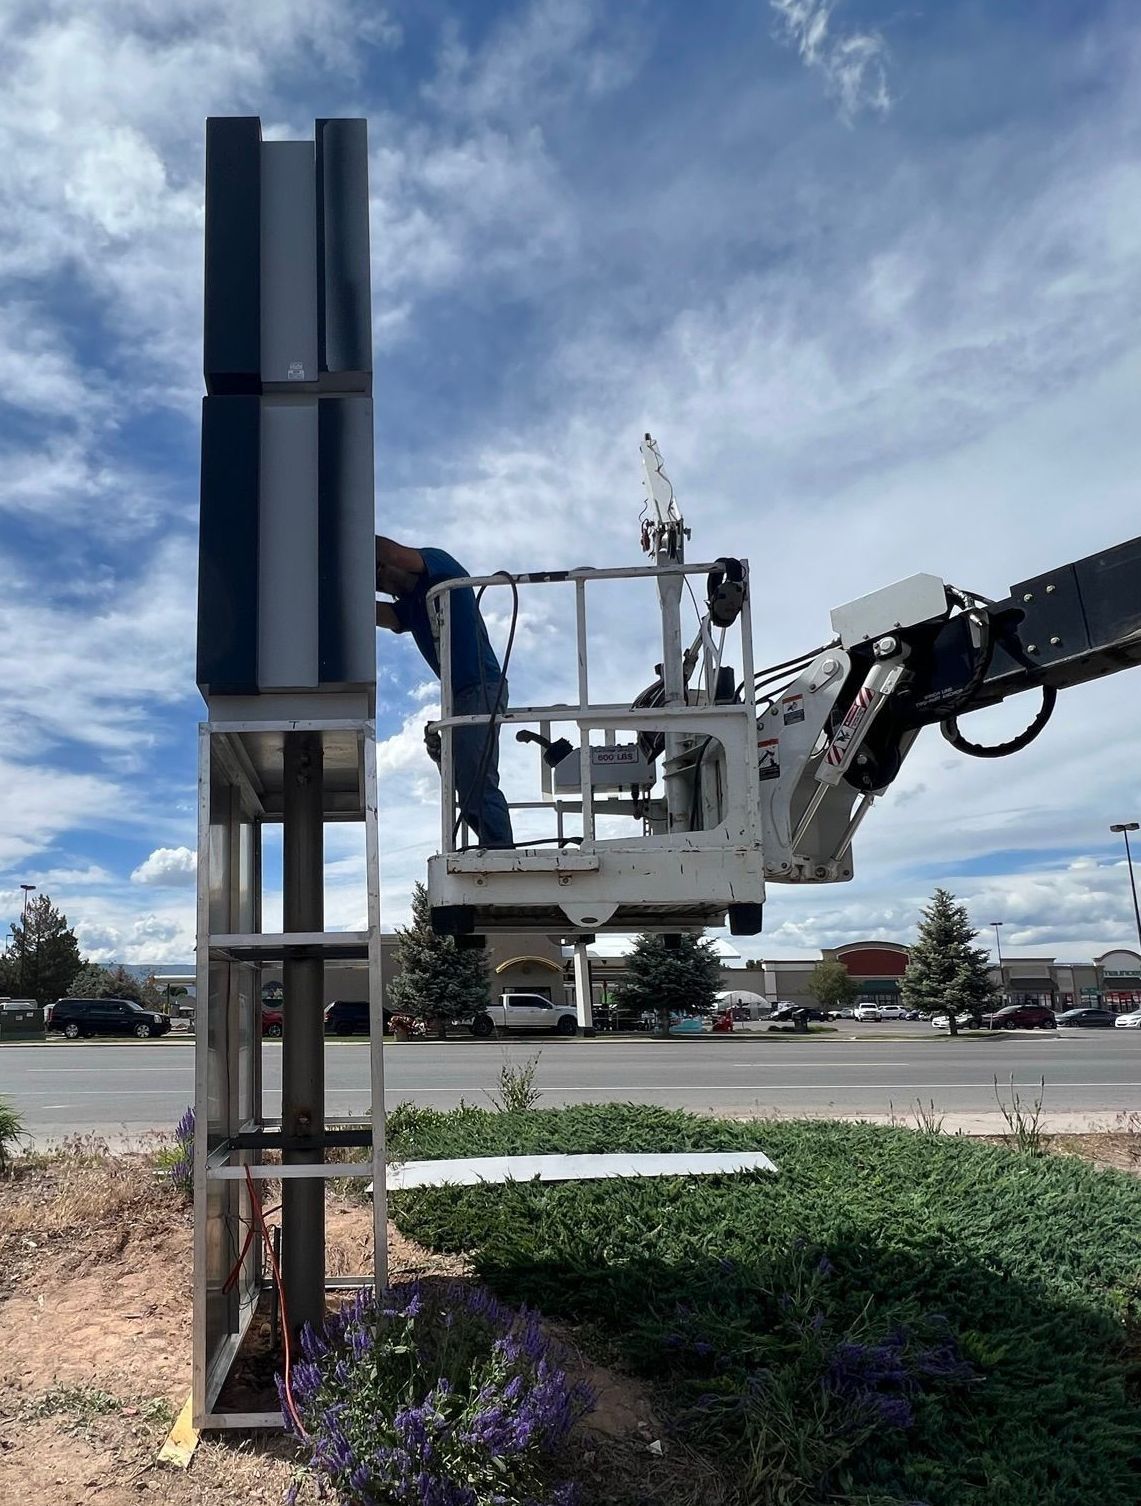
x: 916, y: 654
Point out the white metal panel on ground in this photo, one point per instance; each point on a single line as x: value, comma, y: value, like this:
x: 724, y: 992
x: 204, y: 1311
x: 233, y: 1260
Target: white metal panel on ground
x: 470, y: 1171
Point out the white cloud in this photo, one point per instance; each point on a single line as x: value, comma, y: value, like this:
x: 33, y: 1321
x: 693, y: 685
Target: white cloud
x: 168, y: 867
x: 852, y: 63
x: 93, y: 670
x: 36, y: 810
x: 901, y: 354
x: 106, y: 933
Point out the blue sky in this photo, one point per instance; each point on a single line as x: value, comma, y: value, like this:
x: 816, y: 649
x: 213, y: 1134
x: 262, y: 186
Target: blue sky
x: 871, y: 274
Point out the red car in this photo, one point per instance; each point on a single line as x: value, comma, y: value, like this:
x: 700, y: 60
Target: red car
x: 1021, y: 1017
x: 271, y: 1018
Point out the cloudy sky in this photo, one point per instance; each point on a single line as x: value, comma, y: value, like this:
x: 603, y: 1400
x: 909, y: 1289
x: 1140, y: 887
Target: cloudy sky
x: 870, y: 273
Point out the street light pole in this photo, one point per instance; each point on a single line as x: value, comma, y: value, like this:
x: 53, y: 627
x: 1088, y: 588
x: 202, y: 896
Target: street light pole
x: 27, y: 888
x: 1125, y: 827
x: 998, y: 924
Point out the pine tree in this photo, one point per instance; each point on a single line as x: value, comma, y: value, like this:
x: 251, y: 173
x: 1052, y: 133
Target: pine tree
x: 831, y: 985
x: 681, y: 979
x: 43, y: 955
x: 438, y: 980
x: 945, y: 971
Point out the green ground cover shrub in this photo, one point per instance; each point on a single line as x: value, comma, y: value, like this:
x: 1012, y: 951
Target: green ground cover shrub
x: 895, y: 1317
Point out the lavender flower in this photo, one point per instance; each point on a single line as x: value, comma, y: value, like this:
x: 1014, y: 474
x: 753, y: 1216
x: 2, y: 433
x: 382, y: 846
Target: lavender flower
x: 181, y: 1170
x: 500, y: 1403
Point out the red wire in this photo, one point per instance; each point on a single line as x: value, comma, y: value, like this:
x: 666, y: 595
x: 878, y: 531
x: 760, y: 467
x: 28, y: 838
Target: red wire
x: 235, y: 1269
x: 231, y: 1279
x: 288, y: 1386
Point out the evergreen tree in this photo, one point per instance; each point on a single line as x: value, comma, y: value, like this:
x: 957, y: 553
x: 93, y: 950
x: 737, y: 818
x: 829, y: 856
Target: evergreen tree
x: 43, y: 954
x: 832, y: 986
x: 681, y: 979
x: 438, y: 980
x: 945, y: 971
x: 92, y: 981
x: 9, y: 975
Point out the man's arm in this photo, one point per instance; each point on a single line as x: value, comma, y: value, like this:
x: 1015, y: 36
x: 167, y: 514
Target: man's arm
x: 386, y: 617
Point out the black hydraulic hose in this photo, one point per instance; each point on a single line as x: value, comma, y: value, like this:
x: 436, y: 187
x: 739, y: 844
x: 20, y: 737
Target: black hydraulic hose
x: 955, y: 702
x: 950, y: 730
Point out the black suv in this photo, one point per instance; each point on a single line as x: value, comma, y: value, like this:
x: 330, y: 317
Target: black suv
x: 785, y: 1012
x: 346, y: 1017
x: 76, y: 1017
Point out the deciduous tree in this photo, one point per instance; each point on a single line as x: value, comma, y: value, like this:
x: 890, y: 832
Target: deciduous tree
x: 832, y: 986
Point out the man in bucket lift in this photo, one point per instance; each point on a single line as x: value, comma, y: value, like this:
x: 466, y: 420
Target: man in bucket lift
x: 478, y: 683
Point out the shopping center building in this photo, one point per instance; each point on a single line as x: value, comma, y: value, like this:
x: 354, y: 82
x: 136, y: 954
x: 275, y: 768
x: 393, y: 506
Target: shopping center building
x: 538, y: 964
x: 877, y: 967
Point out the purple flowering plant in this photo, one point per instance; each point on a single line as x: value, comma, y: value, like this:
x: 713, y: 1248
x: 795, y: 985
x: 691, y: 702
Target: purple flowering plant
x: 441, y: 1396
x: 178, y: 1159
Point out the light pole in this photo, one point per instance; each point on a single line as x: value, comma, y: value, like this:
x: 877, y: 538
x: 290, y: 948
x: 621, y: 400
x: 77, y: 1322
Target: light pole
x: 998, y: 925
x: 1125, y: 827
x: 27, y: 888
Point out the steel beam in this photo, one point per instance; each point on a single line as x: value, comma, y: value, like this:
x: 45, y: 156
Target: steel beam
x: 303, y: 1031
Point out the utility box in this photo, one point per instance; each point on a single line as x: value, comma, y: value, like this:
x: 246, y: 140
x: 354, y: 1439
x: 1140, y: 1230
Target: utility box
x: 21, y: 1020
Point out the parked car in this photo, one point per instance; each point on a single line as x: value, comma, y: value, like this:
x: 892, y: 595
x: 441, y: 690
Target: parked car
x: 846, y: 1014
x: 867, y: 1012
x: 1131, y: 1021
x: 786, y: 1012
x: 964, y: 1021
x: 526, y: 1012
x: 1104, y: 1018
x: 85, y: 1017
x: 894, y: 1012
x: 347, y: 1017
x: 1021, y: 1017
x: 342, y: 1017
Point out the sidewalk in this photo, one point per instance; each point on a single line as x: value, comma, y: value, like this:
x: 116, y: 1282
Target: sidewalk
x: 983, y: 1122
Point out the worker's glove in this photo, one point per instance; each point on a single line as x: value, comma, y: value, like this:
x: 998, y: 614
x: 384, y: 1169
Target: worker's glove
x: 434, y: 743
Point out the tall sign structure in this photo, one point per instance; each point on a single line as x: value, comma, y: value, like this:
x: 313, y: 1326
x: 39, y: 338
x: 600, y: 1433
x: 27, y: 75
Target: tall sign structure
x: 287, y: 667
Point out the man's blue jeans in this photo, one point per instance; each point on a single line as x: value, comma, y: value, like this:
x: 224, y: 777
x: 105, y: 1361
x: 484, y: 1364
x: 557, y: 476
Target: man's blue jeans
x: 476, y: 763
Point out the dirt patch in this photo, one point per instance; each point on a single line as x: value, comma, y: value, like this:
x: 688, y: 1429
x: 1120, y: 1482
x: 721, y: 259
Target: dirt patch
x: 110, y: 1461
x: 95, y: 1334
x: 1114, y: 1150
x: 96, y: 1260
x: 1120, y: 1149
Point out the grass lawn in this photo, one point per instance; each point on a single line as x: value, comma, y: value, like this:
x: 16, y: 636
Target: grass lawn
x: 896, y: 1317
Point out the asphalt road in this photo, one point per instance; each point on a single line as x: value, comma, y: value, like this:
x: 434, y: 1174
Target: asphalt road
x: 78, y: 1087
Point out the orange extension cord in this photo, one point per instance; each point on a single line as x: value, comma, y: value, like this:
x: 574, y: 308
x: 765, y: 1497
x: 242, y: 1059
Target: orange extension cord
x: 288, y: 1385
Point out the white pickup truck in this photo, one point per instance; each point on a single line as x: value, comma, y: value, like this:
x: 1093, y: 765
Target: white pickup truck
x: 525, y: 1012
